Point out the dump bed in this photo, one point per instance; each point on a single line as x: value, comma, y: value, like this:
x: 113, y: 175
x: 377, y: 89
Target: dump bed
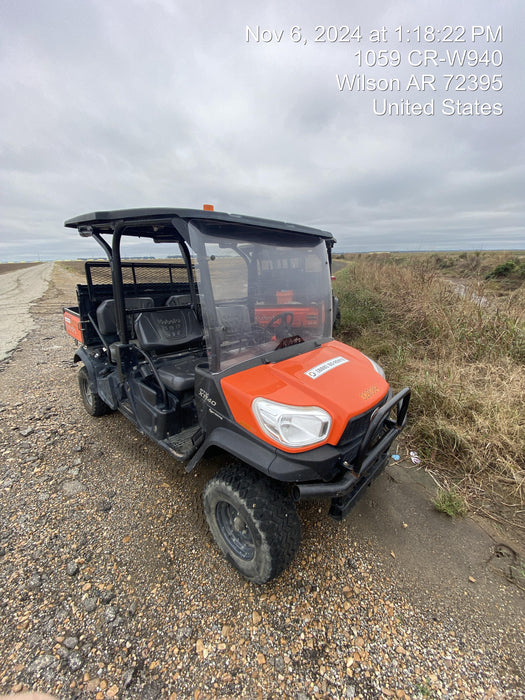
x: 72, y: 323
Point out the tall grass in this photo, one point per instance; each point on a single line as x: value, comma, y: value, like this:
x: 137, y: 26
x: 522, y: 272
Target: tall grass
x: 462, y: 353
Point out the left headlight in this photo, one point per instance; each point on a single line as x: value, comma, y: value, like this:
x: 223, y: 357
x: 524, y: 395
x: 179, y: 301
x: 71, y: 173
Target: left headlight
x: 293, y: 426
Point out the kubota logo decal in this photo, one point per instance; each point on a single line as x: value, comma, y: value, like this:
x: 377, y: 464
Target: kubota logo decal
x: 321, y: 369
x: 368, y: 393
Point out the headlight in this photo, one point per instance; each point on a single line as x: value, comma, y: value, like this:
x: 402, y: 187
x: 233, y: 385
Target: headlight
x: 293, y: 426
x: 377, y: 367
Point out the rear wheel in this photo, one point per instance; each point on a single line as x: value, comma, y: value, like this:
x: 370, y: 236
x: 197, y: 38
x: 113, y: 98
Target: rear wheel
x: 91, y: 400
x: 254, y: 522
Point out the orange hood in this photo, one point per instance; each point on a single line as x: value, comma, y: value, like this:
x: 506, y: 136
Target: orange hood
x: 335, y: 377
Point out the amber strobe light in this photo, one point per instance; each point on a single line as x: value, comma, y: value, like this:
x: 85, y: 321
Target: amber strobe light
x: 207, y: 207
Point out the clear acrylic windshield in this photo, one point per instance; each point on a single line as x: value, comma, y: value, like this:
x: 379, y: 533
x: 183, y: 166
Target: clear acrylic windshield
x: 260, y: 290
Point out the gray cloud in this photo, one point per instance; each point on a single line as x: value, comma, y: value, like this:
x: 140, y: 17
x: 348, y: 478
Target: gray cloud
x: 150, y: 102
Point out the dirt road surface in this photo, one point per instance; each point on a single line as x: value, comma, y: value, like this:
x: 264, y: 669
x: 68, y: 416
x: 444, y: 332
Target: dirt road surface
x: 18, y: 290
x: 111, y: 587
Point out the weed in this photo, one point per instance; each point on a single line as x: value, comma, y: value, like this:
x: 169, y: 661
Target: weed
x: 508, y: 268
x: 360, y: 308
x: 425, y: 690
x: 451, y: 502
x: 460, y: 347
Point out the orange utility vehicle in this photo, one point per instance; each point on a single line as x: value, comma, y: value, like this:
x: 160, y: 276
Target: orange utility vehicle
x: 227, y: 346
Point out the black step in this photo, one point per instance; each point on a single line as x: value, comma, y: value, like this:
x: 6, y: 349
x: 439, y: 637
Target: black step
x: 183, y: 444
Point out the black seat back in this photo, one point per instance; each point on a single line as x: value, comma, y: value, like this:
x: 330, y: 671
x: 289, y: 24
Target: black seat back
x: 167, y: 330
x: 234, y: 320
x: 106, y: 317
x: 179, y: 300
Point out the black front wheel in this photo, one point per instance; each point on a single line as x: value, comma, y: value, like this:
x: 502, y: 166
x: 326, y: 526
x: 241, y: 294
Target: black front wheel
x: 91, y: 400
x: 253, y: 520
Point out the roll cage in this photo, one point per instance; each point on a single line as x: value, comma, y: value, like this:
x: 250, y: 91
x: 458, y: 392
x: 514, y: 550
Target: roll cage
x: 173, y: 225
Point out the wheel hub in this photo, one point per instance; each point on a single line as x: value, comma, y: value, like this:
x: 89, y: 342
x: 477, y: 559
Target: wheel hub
x: 235, y: 531
x: 238, y: 523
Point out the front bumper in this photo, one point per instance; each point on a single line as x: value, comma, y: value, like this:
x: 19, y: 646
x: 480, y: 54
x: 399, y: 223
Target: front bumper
x: 337, y: 472
x: 370, y: 460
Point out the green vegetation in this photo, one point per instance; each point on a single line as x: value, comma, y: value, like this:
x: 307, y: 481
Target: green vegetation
x: 438, y: 325
x: 511, y: 268
x: 424, y: 690
x: 451, y: 502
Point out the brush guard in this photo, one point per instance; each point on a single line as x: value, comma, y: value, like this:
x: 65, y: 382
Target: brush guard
x: 370, y: 461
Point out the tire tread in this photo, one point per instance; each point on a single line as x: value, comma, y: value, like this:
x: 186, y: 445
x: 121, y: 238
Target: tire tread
x: 97, y: 407
x: 272, y: 508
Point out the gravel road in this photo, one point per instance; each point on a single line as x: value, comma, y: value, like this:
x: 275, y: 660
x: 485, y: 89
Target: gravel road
x: 110, y: 586
x: 18, y: 289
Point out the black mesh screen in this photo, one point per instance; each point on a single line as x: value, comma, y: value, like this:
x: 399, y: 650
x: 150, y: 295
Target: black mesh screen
x: 139, y: 278
x: 138, y: 273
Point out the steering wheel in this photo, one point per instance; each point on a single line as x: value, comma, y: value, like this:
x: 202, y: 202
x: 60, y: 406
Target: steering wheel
x: 285, y: 325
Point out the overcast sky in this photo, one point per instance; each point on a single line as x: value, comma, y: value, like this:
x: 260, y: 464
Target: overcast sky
x: 110, y: 104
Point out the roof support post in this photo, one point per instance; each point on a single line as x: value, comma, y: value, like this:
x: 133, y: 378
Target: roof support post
x: 187, y: 260
x: 104, y: 244
x: 116, y: 276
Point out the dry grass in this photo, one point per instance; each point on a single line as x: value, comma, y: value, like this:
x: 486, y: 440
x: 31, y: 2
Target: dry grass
x: 77, y: 267
x: 462, y: 351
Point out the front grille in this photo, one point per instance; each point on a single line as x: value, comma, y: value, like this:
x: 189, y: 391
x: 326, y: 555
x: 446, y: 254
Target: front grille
x: 355, y: 431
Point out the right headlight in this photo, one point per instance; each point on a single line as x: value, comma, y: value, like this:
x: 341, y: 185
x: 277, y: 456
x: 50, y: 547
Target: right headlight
x: 377, y: 367
x: 293, y: 426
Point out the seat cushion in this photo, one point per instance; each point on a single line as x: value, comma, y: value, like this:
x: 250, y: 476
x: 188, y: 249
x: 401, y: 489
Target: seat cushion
x: 178, y: 374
